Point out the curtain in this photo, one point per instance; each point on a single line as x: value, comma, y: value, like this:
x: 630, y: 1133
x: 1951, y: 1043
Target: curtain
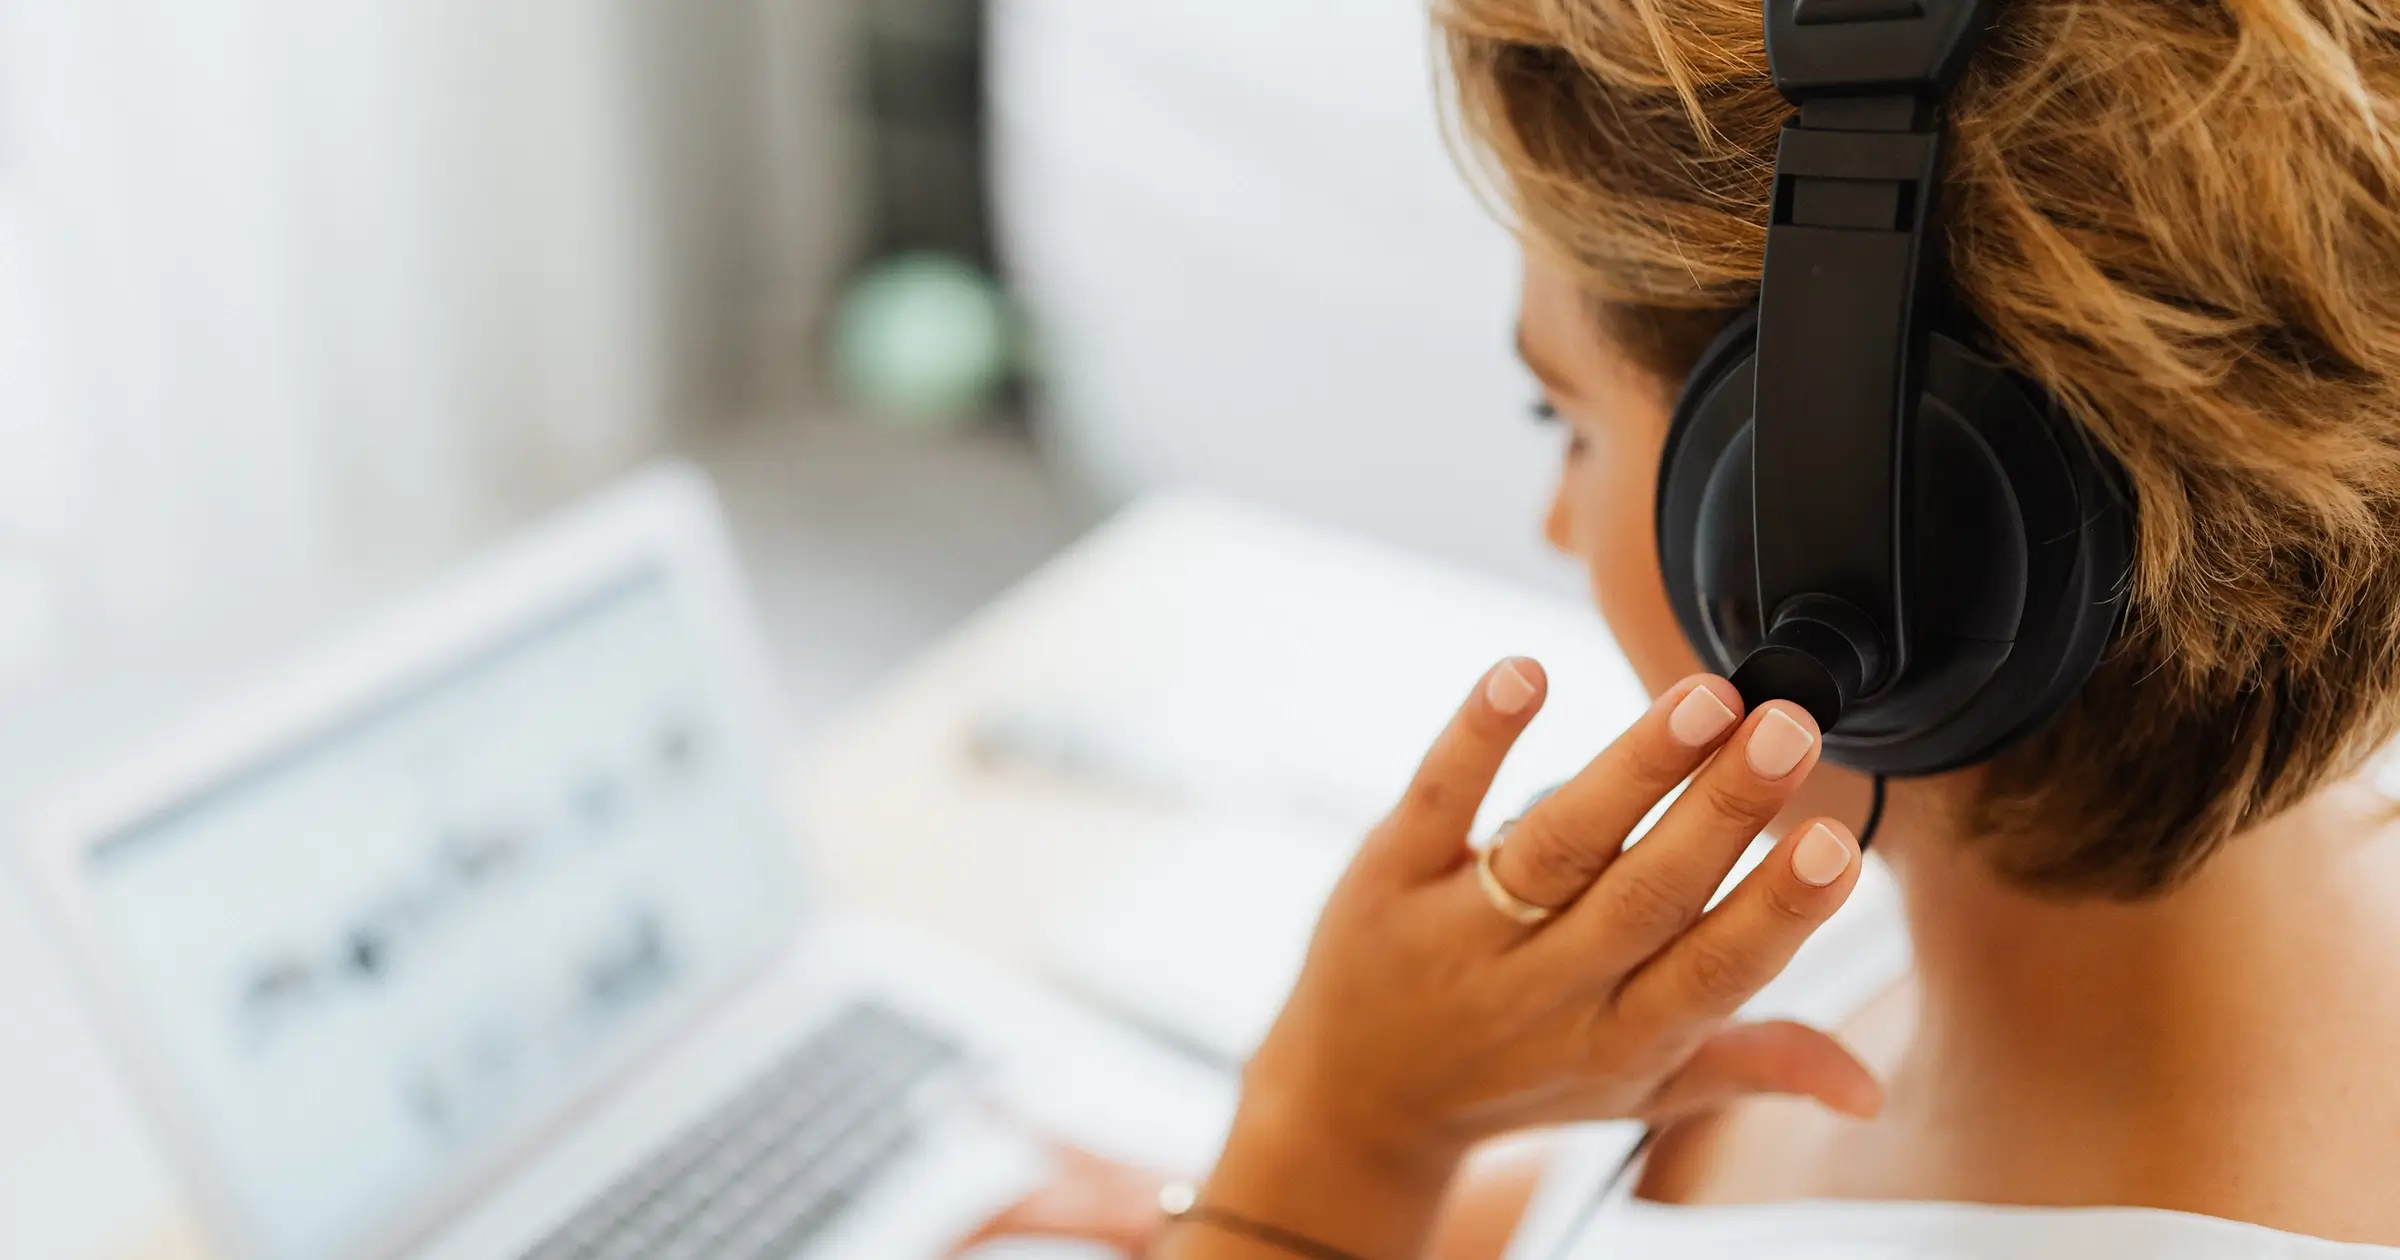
x: 291, y: 289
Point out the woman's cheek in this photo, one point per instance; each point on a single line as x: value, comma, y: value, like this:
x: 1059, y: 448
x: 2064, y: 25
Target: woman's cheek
x: 1617, y: 539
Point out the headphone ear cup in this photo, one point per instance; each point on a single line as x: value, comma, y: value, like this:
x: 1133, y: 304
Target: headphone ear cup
x: 2016, y: 550
x: 1707, y: 545
x: 1725, y: 555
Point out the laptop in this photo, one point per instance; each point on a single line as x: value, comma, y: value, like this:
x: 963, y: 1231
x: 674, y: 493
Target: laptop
x: 483, y: 938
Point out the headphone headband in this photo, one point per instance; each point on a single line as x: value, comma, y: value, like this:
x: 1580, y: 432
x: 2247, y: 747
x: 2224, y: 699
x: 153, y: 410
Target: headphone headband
x: 1853, y: 253
x: 1871, y: 47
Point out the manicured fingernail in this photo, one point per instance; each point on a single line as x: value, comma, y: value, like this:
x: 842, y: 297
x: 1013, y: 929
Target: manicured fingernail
x: 1509, y: 690
x: 1699, y: 719
x: 1778, y: 744
x: 1820, y: 857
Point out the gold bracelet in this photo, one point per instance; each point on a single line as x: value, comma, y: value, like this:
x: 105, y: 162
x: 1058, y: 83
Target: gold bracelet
x: 1180, y: 1203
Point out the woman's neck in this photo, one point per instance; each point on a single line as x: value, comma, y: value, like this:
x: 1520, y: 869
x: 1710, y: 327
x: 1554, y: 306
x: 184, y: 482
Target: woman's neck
x: 2200, y: 1050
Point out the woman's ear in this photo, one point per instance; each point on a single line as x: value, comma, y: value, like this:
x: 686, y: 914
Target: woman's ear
x: 1558, y: 525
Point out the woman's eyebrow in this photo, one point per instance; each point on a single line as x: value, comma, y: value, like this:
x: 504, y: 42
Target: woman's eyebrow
x: 1544, y: 371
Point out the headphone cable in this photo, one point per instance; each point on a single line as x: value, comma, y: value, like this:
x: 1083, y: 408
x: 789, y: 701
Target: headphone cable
x: 1866, y: 834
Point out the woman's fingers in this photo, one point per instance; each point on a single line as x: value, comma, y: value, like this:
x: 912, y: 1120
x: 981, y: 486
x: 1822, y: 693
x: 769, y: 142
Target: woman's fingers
x: 1556, y: 850
x: 1750, y: 937
x: 1771, y: 1058
x: 1659, y: 888
x: 1427, y: 835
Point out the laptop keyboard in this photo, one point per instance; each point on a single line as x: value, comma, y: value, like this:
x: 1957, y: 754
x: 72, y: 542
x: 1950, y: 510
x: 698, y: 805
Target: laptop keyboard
x: 762, y: 1175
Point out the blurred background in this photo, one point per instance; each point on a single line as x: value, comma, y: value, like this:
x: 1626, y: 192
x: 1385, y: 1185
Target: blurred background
x: 299, y: 300
x: 301, y: 303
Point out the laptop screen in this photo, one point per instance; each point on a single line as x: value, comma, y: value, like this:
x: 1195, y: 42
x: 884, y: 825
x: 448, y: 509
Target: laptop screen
x: 397, y: 945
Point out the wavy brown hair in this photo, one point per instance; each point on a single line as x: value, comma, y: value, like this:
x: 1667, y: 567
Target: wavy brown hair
x: 2183, y: 217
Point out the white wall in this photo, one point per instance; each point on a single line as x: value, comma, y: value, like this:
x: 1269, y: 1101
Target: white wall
x: 1258, y: 270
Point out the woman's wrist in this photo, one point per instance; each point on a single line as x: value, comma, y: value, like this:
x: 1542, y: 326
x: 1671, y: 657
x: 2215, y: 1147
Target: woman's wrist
x: 1291, y: 1166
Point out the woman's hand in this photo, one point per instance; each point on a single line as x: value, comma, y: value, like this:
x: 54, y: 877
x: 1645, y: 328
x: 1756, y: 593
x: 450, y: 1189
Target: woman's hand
x: 1426, y: 1019
x: 1088, y: 1199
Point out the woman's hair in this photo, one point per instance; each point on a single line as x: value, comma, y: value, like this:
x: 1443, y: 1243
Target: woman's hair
x: 2182, y: 217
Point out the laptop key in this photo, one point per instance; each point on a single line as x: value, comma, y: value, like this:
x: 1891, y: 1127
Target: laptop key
x: 778, y: 1162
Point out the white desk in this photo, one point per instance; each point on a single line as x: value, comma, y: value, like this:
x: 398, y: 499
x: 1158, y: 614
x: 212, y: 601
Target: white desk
x: 1257, y: 649
x: 1213, y: 636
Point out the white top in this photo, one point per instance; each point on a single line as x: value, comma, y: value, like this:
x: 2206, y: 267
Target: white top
x: 1585, y: 1209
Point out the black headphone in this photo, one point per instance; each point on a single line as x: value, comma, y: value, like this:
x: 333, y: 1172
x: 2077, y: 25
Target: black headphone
x: 1860, y: 511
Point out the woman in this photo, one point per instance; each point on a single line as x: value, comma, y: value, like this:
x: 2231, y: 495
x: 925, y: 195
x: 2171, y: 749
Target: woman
x: 2153, y: 983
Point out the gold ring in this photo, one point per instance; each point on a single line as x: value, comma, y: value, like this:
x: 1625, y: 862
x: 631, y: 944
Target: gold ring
x: 1521, y: 912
